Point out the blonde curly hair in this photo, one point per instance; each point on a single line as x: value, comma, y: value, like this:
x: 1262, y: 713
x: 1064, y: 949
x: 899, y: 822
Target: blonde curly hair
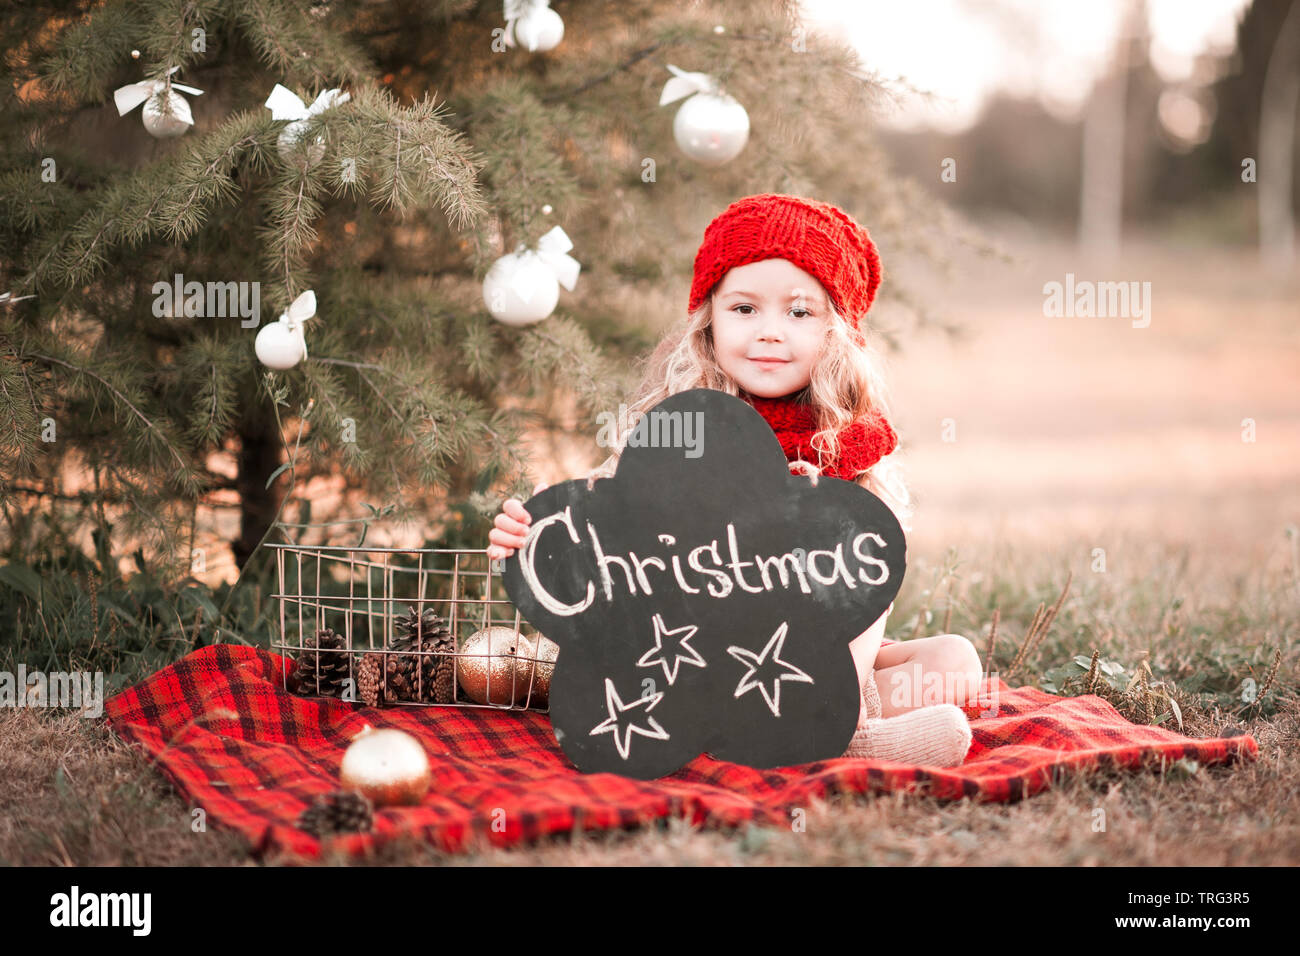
x: 847, y: 385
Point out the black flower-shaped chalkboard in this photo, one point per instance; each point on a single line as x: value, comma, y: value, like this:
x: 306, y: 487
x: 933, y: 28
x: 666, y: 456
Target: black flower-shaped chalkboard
x: 703, y: 598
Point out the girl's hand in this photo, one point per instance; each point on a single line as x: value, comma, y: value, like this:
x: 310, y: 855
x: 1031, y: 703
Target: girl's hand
x: 510, y: 528
x: 801, y: 467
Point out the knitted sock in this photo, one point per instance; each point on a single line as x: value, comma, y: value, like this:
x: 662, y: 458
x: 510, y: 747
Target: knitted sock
x: 870, y: 699
x: 936, y: 736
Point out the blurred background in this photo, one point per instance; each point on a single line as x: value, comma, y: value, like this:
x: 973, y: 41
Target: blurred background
x: 1116, y: 141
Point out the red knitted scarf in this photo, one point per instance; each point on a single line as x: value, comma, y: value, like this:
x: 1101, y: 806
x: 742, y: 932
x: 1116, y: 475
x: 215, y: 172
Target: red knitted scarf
x: 862, y: 444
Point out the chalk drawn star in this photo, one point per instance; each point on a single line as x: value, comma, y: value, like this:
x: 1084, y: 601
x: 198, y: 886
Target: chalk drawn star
x: 617, y: 708
x: 658, y: 653
x: 762, y: 662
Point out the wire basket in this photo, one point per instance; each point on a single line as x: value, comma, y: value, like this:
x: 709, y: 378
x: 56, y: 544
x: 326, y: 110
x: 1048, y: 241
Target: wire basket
x: 359, y: 593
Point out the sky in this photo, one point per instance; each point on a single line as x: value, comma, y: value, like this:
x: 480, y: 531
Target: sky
x: 963, y: 50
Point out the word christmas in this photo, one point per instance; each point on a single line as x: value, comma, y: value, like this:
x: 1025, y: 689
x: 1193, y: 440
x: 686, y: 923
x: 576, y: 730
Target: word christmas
x: 721, y: 583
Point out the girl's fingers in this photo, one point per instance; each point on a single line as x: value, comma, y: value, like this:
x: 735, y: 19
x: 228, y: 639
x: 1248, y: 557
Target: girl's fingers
x: 509, y: 525
x: 507, y: 539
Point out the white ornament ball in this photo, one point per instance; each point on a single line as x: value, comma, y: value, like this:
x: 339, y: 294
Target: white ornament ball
x: 389, y: 766
x: 279, y: 347
x: 711, y: 128
x: 289, y: 143
x: 539, y: 29
x: 165, y: 125
x: 524, y: 270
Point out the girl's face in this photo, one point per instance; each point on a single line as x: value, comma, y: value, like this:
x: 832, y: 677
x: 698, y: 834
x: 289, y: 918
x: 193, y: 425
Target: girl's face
x: 764, y: 310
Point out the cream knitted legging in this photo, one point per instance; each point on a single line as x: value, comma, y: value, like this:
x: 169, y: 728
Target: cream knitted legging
x: 937, y: 736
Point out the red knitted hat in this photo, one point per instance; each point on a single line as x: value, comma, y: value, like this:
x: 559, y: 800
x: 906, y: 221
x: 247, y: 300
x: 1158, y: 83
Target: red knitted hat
x: 816, y: 236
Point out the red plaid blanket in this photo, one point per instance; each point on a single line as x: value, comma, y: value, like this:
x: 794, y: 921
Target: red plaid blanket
x: 221, y: 727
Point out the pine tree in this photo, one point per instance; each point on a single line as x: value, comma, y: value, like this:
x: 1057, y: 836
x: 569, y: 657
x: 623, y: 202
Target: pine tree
x: 453, y: 149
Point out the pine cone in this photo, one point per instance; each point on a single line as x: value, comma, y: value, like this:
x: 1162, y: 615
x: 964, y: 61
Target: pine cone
x: 323, y: 665
x: 432, y: 674
x: 343, y: 811
x: 399, y: 678
x: 370, y: 679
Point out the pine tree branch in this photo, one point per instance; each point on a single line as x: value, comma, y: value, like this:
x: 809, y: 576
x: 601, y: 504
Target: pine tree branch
x: 213, y: 362
x: 445, y: 175
x: 90, y: 497
x: 180, y: 460
x: 131, y: 211
x: 169, y: 38
x: 564, y: 96
x: 334, y: 361
x: 295, y: 46
x: 83, y: 497
x: 208, y: 181
x: 22, y: 418
x: 290, y: 232
x: 88, y: 53
x: 379, y: 392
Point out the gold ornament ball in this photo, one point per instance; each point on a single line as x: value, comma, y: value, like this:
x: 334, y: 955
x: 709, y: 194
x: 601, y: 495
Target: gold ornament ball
x: 547, y: 651
x: 489, y: 661
x: 389, y: 767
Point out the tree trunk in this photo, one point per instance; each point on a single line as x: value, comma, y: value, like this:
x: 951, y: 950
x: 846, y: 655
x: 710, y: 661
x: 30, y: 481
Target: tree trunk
x: 259, y: 456
x: 1101, y: 189
x: 1277, y: 109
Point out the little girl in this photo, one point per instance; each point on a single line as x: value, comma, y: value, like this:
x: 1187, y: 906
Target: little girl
x: 780, y: 286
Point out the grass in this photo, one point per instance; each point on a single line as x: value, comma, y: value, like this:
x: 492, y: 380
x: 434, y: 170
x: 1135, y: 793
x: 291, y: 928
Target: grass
x: 72, y: 793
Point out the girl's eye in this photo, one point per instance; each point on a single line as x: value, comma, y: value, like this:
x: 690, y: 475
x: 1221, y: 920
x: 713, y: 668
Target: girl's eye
x: 806, y: 312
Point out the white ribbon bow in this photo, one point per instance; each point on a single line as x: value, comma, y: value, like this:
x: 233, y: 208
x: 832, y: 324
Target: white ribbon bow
x: 515, y: 10
x: 553, y: 250
x: 299, y: 311
x: 285, y: 104
x: 685, y: 84
x: 128, y: 97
